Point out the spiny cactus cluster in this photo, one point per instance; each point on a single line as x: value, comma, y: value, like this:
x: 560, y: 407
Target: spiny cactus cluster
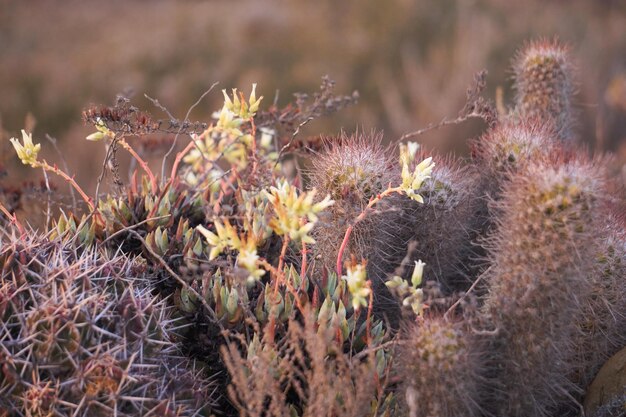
x: 82, y: 335
x: 265, y: 274
x: 542, y: 261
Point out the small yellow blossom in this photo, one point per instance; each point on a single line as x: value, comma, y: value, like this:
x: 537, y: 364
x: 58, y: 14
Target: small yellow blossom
x: 408, y: 151
x: 248, y: 258
x: 226, y: 237
x: 28, y: 151
x: 356, y: 279
x: 290, y: 209
x: 411, y: 295
x: 267, y: 136
x: 415, y: 300
x: 241, y: 108
x: 218, y: 241
x: 253, y: 102
x: 228, y: 123
x: 411, y: 182
x: 103, y: 132
x: 418, y: 271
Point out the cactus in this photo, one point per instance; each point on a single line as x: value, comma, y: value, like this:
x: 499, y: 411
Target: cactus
x: 508, y: 148
x: 541, y: 258
x: 440, y: 365
x: 81, y: 336
x: 352, y: 170
x: 603, y: 321
x: 447, y: 223
x: 544, y: 84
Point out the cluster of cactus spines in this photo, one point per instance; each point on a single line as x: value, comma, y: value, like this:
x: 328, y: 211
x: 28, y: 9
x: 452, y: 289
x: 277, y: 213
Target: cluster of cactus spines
x: 602, y: 323
x: 543, y: 80
x: 440, y: 365
x: 82, y: 335
x: 445, y: 225
x: 542, y: 256
x: 509, y: 147
x: 353, y: 170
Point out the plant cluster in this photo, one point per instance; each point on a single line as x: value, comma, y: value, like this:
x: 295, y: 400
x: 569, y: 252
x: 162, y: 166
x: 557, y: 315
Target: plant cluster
x: 261, y: 274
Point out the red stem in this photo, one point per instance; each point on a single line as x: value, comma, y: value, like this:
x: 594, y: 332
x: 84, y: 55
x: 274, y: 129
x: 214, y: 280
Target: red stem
x: 360, y: 217
x: 281, y: 262
x: 342, y: 248
x: 179, y: 157
x: 71, y: 181
x: 143, y: 163
x: 13, y: 218
x: 304, y: 262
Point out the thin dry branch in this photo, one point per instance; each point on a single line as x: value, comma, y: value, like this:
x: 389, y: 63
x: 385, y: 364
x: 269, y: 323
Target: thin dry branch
x: 193, y: 106
x: 476, y: 107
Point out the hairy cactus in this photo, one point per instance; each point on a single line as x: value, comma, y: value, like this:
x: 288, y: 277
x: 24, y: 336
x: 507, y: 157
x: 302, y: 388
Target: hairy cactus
x: 541, y: 258
x: 603, y: 321
x: 440, y: 365
x: 544, y: 84
x: 447, y: 223
x: 353, y: 170
x: 508, y: 148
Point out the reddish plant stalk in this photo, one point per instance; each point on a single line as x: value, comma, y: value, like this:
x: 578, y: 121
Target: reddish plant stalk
x: 368, y: 321
x: 143, y: 163
x: 360, y: 217
x: 70, y: 180
x: 179, y: 157
x: 281, y: 262
x: 13, y: 218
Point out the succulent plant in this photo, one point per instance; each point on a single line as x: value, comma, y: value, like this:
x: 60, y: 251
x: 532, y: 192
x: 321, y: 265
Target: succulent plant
x: 445, y: 226
x: 602, y: 324
x: 352, y: 170
x: 306, y: 374
x: 542, y: 255
x: 82, y: 335
x: 508, y: 148
x: 440, y: 364
x: 544, y: 84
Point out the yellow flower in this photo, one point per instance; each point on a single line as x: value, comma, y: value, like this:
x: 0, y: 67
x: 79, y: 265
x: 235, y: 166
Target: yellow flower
x: 247, y: 259
x: 408, y: 151
x: 103, y: 132
x: 416, y: 301
x: 226, y: 237
x: 290, y: 209
x: 411, y: 295
x: 27, y: 152
x: 253, y: 102
x: 411, y: 182
x: 241, y: 108
x: 217, y: 241
x: 418, y: 271
x: 357, y: 284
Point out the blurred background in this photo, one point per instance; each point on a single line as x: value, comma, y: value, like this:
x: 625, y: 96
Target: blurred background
x: 410, y: 60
